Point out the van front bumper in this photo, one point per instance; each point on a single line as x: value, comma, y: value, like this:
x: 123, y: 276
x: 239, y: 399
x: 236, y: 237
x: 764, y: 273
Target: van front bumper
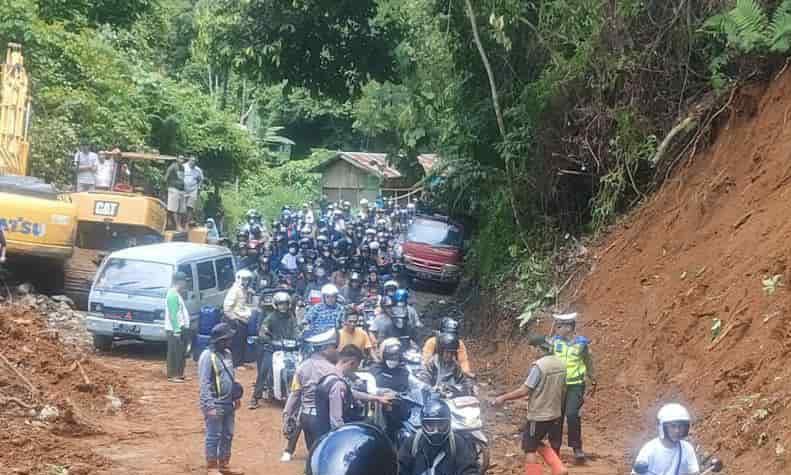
x: 433, y: 275
x: 99, y: 325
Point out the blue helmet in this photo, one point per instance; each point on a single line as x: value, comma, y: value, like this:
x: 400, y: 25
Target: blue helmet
x: 401, y: 296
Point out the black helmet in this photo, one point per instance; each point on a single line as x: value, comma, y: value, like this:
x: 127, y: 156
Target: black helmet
x: 447, y: 342
x: 353, y: 449
x: 449, y: 325
x: 221, y: 331
x: 435, y: 422
x: 391, y: 350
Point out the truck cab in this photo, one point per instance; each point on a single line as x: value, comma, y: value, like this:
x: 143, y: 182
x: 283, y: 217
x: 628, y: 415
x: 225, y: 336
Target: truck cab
x: 433, y: 249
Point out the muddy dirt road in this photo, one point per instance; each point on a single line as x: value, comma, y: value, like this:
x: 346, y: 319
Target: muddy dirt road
x: 163, y: 431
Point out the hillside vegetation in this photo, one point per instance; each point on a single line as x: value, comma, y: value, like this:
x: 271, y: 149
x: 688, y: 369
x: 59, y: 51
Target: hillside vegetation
x: 551, y: 116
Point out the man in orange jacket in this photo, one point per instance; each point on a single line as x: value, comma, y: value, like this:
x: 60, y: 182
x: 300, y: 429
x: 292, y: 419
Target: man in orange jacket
x: 448, y: 325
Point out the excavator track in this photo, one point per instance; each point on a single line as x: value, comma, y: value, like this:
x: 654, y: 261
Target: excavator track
x: 78, y: 274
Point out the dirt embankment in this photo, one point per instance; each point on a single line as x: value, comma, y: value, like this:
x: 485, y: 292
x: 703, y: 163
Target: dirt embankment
x: 688, y: 298
x: 52, y: 394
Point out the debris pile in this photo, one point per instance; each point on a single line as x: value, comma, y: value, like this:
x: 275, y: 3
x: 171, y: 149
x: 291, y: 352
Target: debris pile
x: 51, y: 391
x: 60, y: 313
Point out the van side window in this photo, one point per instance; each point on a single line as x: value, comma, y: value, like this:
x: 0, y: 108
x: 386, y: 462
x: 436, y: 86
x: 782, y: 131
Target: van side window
x: 206, y: 278
x: 187, y: 270
x: 225, y: 274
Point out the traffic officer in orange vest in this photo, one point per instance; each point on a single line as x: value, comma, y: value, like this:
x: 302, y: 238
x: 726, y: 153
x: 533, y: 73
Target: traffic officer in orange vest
x: 574, y: 350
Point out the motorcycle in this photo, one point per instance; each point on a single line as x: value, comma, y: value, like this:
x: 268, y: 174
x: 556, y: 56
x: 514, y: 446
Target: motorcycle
x: 465, y: 415
x: 286, y: 356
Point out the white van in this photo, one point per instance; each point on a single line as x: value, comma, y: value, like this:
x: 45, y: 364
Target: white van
x: 127, y: 299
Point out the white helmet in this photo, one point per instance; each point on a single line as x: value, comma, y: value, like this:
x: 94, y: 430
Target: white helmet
x: 391, y: 284
x: 243, y: 276
x: 672, y: 413
x: 323, y: 340
x: 374, y: 245
x: 281, y: 297
x: 329, y: 290
x: 363, y: 202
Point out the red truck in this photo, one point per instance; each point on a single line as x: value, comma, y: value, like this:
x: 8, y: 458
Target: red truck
x: 434, y: 249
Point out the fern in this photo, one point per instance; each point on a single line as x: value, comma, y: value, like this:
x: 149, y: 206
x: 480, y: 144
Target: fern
x: 747, y: 29
x: 780, y: 29
x: 747, y: 25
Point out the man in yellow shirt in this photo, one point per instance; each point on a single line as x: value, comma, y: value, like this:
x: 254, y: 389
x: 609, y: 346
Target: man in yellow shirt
x: 351, y: 334
x: 448, y: 325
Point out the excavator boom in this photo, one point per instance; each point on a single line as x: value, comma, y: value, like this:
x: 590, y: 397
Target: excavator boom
x: 14, y: 114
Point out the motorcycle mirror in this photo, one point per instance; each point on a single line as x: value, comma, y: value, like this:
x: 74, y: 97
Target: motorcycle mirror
x: 640, y: 467
x: 716, y: 465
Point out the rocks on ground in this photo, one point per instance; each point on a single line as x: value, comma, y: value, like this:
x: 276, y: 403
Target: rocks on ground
x: 52, y: 391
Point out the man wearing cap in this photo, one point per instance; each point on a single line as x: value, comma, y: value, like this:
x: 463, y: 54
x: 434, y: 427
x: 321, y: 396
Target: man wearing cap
x: 217, y: 399
x: 574, y: 350
x: 544, y: 387
x: 303, y: 387
x: 177, y: 323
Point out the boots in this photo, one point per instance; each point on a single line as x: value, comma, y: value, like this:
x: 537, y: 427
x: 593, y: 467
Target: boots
x: 551, y: 458
x: 213, y: 467
x: 226, y: 470
x: 533, y: 469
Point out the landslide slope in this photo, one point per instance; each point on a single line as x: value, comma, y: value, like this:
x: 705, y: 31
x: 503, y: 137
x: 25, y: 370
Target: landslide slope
x: 695, y: 253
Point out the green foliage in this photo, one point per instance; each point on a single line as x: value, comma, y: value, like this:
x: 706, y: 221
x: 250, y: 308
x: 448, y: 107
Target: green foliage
x: 87, y: 84
x: 268, y: 189
x: 630, y: 147
x: 747, y: 29
x: 328, y: 46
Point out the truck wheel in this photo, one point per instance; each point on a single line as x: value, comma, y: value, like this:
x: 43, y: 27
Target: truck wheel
x: 103, y: 342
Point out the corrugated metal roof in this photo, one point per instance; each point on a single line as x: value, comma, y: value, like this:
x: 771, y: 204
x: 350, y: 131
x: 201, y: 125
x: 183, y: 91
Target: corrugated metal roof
x: 374, y: 163
x: 427, y: 161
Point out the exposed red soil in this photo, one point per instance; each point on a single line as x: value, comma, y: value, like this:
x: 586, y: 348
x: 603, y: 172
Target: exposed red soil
x: 44, y: 372
x: 697, y: 251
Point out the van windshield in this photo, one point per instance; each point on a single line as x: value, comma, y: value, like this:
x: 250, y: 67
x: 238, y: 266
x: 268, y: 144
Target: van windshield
x: 434, y: 233
x: 135, y: 277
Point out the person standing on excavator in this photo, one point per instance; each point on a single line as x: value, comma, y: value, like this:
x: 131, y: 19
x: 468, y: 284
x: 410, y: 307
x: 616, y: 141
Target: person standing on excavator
x: 574, y: 350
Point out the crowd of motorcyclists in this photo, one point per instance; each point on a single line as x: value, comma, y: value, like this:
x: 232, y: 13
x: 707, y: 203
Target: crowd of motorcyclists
x: 321, y: 304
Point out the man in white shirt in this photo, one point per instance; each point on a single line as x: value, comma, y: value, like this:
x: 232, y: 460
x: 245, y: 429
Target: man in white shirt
x: 669, y: 454
x: 105, y: 170
x: 307, y: 214
x: 85, y: 160
x: 193, y: 177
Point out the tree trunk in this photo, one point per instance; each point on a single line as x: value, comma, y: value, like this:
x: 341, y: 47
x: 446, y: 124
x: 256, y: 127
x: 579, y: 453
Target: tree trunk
x: 509, y: 172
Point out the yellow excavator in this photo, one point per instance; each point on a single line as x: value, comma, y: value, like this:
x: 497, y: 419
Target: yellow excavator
x: 124, y: 214
x: 39, y: 222
x: 58, y: 239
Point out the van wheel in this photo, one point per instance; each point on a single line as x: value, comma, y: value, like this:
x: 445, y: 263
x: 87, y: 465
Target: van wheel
x: 103, y: 342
